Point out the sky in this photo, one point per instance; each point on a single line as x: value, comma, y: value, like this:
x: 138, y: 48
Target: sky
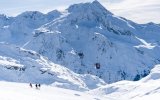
x: 140, y: 11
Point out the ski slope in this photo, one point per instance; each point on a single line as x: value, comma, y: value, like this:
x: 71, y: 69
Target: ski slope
x: 19, y: 91
x: 77, y: 54
x: 147, y: 88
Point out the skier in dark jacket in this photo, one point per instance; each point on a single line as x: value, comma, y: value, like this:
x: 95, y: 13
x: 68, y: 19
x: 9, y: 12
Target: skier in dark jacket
x: 30, y: 84
x: 36, y: 86
x: 39, y: 85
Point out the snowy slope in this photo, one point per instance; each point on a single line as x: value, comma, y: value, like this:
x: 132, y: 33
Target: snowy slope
x: 20, y: 65
x: 76, y: 49
x: 87, y: 35
x: 146, y: 89
x: 19, y: 91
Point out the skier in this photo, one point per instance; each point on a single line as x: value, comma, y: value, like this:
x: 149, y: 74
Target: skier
x: 36, y: 86
x: 30, y: 84
x: 39, y: 85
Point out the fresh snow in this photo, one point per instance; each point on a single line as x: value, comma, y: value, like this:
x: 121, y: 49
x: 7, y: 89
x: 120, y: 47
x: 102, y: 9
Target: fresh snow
x: 78, y: 54
x: 19, y: 91
x: 20, y: 65
x: 123, y: 48
x: 9, y: 62
x: 146, y: 89
x: 145, y: 44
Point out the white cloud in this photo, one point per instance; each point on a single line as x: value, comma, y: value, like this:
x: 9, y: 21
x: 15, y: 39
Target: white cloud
x: 137, y: 10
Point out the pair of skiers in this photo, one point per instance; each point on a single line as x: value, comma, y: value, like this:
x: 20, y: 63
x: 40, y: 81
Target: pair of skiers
x: 36, y: 85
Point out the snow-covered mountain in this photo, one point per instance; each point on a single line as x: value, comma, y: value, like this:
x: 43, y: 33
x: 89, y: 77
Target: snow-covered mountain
x: 20, y: 65
x: 85, y: 39
x: 18, y: 30
x: 88, y: 39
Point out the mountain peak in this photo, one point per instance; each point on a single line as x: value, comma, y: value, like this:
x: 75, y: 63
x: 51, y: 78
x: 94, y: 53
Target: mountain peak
x: 31, y: 14
x: 96, y: 2
x: 90, y: 6
x: 53, y: 14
